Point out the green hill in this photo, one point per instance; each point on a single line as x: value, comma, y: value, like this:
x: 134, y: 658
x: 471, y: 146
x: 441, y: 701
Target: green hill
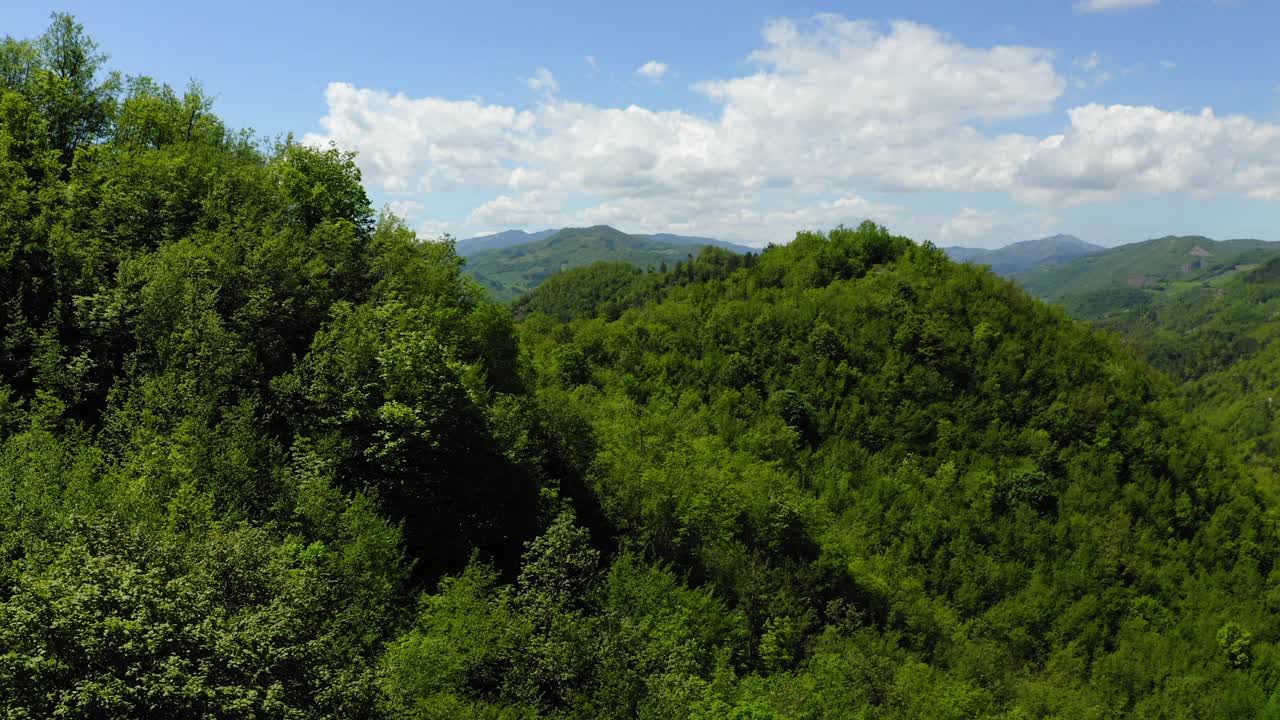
x: 883, y: 459
x: 510, y: 272
x: 1133, y: 274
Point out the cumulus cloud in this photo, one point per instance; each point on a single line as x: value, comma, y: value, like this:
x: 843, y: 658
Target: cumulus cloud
x: 1096, y: 6
x: 406, y: 209
x: 988, y: 228
x: 652, y: 70
x: 1089, y: 62
x: 420, y: 145
x: 1113, y: 149
x: 542, y: 81
x: 836, y: 110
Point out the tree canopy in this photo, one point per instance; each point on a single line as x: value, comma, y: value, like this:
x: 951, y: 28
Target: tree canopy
x: 264, y: 453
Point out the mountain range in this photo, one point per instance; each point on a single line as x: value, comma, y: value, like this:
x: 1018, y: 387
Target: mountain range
x: 1026, y: 255
x: 500, y: 240
x: 1108, y: 281
x: 514, y: 262
x: 510, y: 238
x: 1091, y: 281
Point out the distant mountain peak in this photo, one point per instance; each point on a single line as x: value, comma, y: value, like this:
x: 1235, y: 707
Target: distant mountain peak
x: 500, y: 240
x: 1026, y: 255
x: 511, y: 238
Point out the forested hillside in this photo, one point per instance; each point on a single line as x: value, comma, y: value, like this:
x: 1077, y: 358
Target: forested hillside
x: 1203, y: 311
x: 1017, y: 501
x: 1218, y: 339
x: 266, y: 454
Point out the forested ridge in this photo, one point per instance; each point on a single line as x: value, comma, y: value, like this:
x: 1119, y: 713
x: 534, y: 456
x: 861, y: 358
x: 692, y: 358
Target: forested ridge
x: 266, y: 454
x: 510, y: 272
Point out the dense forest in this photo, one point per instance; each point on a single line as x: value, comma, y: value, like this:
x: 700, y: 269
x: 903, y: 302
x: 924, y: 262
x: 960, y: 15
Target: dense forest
x: 266, y: 454
x: 1216, y: 333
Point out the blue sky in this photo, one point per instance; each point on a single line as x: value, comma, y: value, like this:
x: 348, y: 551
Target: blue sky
x: 965, y: 123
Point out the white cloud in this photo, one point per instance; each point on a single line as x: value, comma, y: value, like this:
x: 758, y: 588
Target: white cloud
x: 1109, y: 150
x: 1095, y: 6
x: 434, y: 229
x: 590, y: 60
x: 985, y: 228
x: 652, y: 70
x: 406, y: 209
x: 1097, y: 76
x: 1088, y: 62
x: 542, y: 81
x: 422, y: 145
x: 538, y: 207
x: 835, y: 111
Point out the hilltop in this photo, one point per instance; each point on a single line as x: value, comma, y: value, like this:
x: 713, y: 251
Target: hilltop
x: 873, y: 452
x: 699, y: 241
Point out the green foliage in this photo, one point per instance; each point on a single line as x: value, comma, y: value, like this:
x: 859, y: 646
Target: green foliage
x: 584, y: 291
x: 1218, y: 338
x: 566, y: 640
x: 1235, y: 642
x: 231, y: 401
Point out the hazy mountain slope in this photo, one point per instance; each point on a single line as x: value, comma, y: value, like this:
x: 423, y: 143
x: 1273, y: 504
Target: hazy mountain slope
x: 1026, y: 255
x: 701, y: 242
x: 512, y: 271
x: 511, y: 238
x: 498, y: 241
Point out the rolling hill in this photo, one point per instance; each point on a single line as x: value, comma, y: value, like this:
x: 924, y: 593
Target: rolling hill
x: 1026, y: 255
x: 512, y: 271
